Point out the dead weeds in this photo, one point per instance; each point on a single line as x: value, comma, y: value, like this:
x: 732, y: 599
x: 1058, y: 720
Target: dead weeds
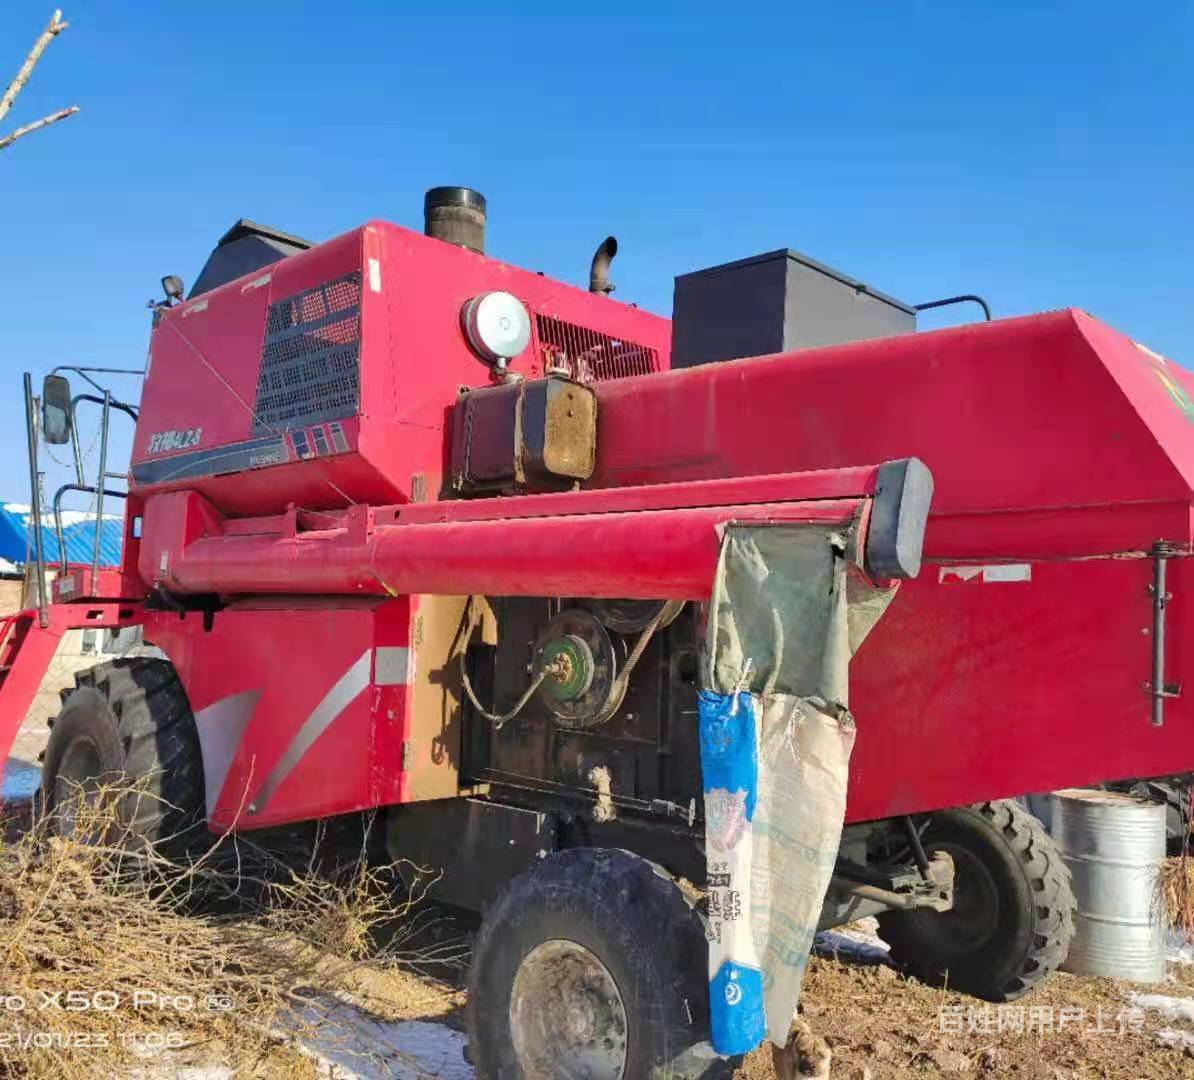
x: 117, y: 959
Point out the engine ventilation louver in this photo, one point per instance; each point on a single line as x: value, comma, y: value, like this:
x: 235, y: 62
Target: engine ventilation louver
x: 310, y: 358
x: 587, y: 355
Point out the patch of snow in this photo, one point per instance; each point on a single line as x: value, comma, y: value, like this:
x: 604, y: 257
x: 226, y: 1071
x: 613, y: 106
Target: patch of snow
x: 1179, y: 949
x: 164, y: 1066
x: 1178, y: 1040
x: 859, y: 941
x: 351, y: 1045
x: 1172, y: 1008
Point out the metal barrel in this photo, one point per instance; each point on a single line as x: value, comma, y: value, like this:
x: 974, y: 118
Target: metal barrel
x: 1114, y: 845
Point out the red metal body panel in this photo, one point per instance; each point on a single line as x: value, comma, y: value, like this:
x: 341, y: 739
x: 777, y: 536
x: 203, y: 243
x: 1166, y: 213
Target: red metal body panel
x: 206, y: 354
x: 1056, y: 445
x: 354, y: 759
x: 972, y: 689
x: 1018, y: 420
x: 77, y: 581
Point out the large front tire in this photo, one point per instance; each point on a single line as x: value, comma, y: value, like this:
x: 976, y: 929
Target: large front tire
x: 1013, y: 913
x: 127, y: 728
x: 591, y: 964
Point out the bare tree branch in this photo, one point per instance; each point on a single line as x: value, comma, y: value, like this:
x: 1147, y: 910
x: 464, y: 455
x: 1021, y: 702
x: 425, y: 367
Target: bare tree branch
x: 39, y: 46
x: 61, y: 114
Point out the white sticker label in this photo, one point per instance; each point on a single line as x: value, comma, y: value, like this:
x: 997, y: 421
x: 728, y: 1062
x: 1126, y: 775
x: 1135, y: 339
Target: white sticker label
x: 375, y: 275
x: 993, y: 572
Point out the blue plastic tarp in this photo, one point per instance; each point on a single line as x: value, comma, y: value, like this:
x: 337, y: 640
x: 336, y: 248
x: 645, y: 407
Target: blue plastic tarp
x: 78, y: 534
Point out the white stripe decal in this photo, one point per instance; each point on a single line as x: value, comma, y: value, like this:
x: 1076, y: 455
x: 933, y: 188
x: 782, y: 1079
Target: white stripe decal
x: 352, y: 683
x: 221, y: 727
x: 392, y: 667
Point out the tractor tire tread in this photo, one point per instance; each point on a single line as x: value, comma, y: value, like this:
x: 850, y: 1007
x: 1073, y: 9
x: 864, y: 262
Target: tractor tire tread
x: 620, y: 891
x: 1052, y: 917
x: 153, y: 723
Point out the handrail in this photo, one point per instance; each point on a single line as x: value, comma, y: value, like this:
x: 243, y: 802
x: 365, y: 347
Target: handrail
x: 965, y: 298
x: 99, y: 490
x: 87, y: 489
x: 43, y: 618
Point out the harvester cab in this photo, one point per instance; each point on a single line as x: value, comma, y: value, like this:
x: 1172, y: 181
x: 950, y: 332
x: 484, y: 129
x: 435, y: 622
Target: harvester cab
x: 588, y: 602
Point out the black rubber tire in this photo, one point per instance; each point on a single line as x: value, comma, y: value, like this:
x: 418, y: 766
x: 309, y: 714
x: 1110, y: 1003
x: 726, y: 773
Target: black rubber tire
x: 636, y: 921
x: 133, y: 720
x: 1014, y: 908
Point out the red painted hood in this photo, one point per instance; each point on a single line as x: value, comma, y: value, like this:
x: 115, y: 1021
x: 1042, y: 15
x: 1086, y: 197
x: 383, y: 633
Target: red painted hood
x: 1018, y: 419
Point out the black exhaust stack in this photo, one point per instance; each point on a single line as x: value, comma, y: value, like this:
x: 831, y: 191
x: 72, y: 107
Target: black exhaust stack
x: 599, y: 281
x: 455, y: 215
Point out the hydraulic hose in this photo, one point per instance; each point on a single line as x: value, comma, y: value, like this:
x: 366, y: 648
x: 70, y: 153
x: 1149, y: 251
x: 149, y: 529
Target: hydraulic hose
x: 497, y: 719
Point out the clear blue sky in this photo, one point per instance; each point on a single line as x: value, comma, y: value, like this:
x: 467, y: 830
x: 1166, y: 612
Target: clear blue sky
x: 1041, y: 155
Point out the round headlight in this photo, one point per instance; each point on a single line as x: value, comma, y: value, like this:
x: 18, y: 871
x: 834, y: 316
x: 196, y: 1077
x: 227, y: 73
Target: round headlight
x: 496, y: 325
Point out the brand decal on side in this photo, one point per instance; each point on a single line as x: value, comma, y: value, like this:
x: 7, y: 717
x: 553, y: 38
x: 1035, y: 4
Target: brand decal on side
x: 213, y: 461
x: 161, y: 442
x: 275, y: 456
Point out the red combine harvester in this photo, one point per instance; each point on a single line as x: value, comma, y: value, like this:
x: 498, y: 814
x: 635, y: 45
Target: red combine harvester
x: 404, y: 520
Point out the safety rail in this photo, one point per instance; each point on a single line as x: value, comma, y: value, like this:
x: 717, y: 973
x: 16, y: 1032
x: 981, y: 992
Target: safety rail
x: 98, y: 489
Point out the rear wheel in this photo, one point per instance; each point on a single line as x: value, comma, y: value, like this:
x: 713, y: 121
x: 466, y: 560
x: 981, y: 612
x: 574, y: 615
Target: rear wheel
x: 591, y: 965
x: 127, y: 728
x: 1013, y: 912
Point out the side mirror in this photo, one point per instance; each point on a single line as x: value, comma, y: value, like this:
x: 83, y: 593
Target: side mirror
x: 56, y: 409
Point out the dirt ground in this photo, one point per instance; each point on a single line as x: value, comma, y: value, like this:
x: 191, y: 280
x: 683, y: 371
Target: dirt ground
x: 881, y: 1025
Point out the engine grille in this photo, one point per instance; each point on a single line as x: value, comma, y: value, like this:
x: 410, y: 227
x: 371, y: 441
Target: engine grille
x: 310, y: 358
x: 588, y: 355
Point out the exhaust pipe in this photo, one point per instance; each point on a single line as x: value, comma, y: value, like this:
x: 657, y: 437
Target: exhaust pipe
x: 455, y: 215
x: 599, y: 281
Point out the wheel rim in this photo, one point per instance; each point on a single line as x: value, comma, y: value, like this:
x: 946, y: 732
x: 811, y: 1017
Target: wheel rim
x: 567, y: 1019
x: 974, y: 917
x: 77, y: 782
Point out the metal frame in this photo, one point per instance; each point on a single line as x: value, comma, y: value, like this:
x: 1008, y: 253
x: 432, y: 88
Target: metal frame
x: 965, y: 298
x: 43, y: 619
x: 107, y: 404
x: 1157, y: 688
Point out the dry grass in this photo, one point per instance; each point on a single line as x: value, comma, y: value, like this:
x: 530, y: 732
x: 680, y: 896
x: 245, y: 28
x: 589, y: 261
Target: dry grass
x: 114, y: 954
x: 1175, y: 889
